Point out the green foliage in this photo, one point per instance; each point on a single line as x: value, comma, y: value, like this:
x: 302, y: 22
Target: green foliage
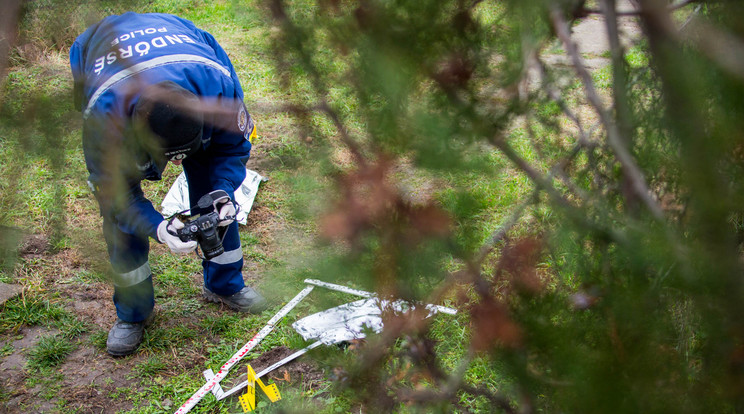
x: 70, y: 327
x: 98, y: 339
x: 618, y: 306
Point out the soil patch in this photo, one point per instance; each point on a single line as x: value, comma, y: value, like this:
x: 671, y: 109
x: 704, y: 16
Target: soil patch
x: 302, y: 371
x: 34, y: 245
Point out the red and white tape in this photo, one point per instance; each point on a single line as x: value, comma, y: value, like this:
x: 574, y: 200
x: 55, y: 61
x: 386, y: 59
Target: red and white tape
x: 206, y: 388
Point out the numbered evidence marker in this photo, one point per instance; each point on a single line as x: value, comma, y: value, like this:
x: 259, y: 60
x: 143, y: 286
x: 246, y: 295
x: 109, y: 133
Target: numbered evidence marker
x: 248, y: 400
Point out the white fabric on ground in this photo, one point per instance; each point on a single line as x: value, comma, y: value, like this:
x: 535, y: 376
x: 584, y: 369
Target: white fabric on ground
x: 177, y: 198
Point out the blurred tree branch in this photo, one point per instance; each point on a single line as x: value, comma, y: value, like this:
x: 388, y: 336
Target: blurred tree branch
x: 587, y: 293
x: 618, y: 143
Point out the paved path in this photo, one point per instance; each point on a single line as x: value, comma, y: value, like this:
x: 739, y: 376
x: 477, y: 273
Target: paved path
x: 590, y: 35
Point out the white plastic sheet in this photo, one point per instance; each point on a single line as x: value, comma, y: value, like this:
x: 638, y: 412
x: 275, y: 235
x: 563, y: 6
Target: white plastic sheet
x: 345, y: 322
x: 177, y: 199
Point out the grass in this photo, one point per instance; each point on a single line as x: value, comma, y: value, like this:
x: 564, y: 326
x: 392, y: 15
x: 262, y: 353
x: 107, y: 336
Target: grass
x: 29, y: 311
x: 6, y: 350
x: 150, y: 367
x: 98, y: 339
x: 50, y: 351
x: 70, y: 326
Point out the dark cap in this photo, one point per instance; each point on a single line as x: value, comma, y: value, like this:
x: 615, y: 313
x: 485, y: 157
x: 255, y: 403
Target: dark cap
x: 172, y: 114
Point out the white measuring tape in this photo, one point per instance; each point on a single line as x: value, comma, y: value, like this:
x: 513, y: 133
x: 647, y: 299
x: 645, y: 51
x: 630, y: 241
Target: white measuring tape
x: 365, y: 294
x: 204, y: 390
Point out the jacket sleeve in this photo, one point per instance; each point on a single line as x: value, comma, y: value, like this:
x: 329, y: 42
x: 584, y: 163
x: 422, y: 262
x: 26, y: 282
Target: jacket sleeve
x: 230, y: 149
x: 231, y: 145
x: 77, y: 65
x: 116, y: 187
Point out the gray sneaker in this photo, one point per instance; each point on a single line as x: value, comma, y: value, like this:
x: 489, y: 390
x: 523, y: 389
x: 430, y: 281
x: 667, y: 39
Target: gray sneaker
x: 124, y: 337
x: 246, y: 300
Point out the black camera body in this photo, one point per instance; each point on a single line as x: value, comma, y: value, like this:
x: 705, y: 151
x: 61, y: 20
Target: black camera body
x: 205, y: 229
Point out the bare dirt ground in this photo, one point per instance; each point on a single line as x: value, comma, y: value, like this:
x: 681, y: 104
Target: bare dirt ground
x: 90, y: 374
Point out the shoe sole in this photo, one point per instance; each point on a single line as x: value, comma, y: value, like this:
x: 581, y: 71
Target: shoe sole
x: 121, y: 354
x: 215, y: 298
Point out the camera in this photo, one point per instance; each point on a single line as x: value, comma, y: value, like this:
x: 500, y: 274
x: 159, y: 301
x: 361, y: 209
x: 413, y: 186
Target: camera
x: 205, y: 228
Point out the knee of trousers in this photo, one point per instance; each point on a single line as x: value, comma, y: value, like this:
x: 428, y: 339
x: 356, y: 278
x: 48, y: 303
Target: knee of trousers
x: 229, y: 261
x: 232, y: 259
x: 223, y: 274
x: 128, y: 254
x: 132, y: 277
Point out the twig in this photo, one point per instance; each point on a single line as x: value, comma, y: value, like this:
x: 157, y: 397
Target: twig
x: 553, y: 94
x: 507, y: 225
x: 623, y: 115
x: 722, y: 48
x: 345, y: 138
x: 690, y: 18
x: 474, y: 3
x: 322, y: 107
x: 583, y: 141
x: 500, y: 234
x: 454, y: 383
x: 279, y: 13
x: 540, y: 181
x: 620, y: 96
x: 630, y: 169
x: 496, y: 400
x: 559, y: 170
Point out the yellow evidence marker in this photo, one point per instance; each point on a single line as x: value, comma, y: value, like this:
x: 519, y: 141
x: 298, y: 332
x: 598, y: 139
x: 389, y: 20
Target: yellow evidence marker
x: 248, y: 400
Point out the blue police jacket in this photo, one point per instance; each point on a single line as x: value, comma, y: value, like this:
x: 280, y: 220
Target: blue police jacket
x: 111, y: 62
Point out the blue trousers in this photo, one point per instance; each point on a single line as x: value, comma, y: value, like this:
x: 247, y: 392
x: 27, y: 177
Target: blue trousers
x: 134, y: 296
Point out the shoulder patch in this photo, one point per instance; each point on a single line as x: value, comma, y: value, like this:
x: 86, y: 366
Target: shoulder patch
x: 242, y: 118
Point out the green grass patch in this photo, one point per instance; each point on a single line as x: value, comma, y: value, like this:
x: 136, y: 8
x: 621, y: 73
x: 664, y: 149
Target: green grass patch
x: 70, y: 326
x: 175, y: 272
x: 88, y: 277
x: 50, y: 351
x: 29, y: 310
x: 150, y: 367
x: 48, y: 379
x: 155, y: 340
x: 98, y: 339
x: 6, y: 349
